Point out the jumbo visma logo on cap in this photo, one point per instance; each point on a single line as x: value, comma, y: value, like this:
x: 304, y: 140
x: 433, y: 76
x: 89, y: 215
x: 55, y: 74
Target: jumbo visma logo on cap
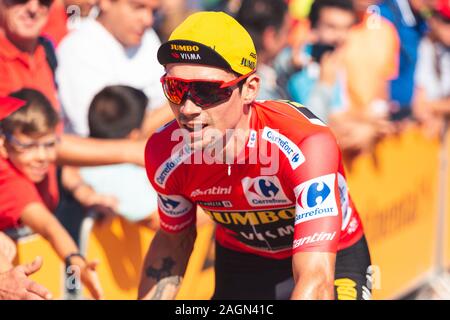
x: 210, y: 38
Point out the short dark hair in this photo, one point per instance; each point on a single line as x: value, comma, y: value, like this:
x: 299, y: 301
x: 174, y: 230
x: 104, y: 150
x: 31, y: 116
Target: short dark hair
x: 257, y: 15
x: 37, y: 116
x: 318, y: 5
x: 115, y: 111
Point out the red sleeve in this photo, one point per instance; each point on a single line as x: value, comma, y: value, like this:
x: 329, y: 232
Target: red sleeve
x: 16, y: 192
x: 318, y: 216
x: 176, y: 211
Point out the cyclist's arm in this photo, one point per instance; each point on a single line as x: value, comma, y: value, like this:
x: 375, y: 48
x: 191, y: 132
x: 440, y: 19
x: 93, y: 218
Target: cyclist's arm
x: 165, y: 264
x: 313, y: 275
x: 318, y: 217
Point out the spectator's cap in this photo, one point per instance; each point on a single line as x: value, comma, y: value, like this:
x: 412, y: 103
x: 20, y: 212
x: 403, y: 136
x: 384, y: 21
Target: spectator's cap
x: 443, y: 8
x: 8, y: 105
x: 210, y: 38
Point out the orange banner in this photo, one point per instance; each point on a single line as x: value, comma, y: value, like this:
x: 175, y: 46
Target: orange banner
x: 446, y: 204
x: 395, y: 191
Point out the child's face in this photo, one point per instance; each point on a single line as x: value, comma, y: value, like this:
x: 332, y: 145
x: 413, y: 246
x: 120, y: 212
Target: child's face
x: 31, y: 154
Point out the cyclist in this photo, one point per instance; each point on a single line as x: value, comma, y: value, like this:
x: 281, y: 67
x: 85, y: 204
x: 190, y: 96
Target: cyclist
x: 269, y: 173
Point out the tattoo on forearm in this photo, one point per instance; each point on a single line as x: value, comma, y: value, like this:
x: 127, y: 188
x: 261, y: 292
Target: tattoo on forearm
x: 165, y: 271
x: 168, y: 286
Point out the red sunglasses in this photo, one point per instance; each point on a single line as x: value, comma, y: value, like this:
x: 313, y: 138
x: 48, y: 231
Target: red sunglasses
x: 204, y: 93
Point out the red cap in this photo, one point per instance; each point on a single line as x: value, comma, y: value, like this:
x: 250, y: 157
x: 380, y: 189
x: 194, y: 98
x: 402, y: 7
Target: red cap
x: 8, y: 105
x: 443, y: 8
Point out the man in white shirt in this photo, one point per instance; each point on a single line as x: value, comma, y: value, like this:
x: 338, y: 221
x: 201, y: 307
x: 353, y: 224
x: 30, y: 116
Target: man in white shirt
x: 119, y: 47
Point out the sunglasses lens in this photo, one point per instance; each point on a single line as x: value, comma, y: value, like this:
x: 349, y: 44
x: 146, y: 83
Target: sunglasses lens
x: 203, y: 93
x: 174, y: 90
x: 206, y: 94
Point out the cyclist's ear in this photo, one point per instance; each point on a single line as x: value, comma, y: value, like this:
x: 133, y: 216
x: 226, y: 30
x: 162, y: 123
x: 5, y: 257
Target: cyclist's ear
x: 250, y: 89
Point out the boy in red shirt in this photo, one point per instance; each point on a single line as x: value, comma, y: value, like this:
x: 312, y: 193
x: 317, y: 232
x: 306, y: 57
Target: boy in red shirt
x: 28, y: 187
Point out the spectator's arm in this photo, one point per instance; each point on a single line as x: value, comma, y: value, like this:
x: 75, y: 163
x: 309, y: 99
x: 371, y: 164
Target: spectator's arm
x: 38, y: 218
x: 5, y: 264
x: 77, y: 151
x: 423, y: 105
x: 165, y: 264
x: 85, y: 194
x: 7, y: 252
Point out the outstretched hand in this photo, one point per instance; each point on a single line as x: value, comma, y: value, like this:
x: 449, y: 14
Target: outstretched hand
x: 15, y: 284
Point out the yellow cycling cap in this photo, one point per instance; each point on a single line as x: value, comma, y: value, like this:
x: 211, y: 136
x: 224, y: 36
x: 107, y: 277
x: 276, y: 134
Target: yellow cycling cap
x: 213, y: 39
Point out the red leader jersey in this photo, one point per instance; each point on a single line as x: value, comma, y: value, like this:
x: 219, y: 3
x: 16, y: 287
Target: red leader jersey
x: 285, y: 193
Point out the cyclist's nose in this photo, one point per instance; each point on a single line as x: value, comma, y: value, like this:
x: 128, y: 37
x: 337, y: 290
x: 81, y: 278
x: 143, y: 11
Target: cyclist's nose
x: 189, y: 108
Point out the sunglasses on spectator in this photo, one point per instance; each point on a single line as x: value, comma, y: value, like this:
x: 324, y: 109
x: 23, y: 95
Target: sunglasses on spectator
x: 204, y: 93
x: 46, y: 3
x: 22, y: 147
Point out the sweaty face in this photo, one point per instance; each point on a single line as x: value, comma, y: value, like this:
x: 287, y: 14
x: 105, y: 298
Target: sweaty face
x: 127, y: 20
x: 333, y: 25
x: 32, y: 154
x: 205, y: 125
x: 23, y: 21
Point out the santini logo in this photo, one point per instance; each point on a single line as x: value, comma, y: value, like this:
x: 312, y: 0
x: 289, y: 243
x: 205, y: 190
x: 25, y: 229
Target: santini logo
x: 289, y: 148
x: 211, y: 191
x: 316, y: 237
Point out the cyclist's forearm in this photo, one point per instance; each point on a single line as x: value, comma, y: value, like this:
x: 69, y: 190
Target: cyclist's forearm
x: 165, y: 265
x: 314, y: 275
x: 313, y: 290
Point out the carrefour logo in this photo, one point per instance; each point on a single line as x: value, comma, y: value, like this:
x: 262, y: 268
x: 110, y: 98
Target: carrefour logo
x: 317, y: 193
x: 168, y: 166
x: 289, y: 148
x: 263, y: 191
x: 316, y: 199
x: 174, y: 205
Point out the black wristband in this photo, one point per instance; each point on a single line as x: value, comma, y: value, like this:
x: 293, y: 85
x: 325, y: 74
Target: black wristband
x: 70, y: 256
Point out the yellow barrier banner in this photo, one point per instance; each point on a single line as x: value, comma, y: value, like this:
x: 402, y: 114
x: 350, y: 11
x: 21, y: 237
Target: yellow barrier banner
x: 395, y: 191
x: 446, y: 203
x: 121, y: 247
